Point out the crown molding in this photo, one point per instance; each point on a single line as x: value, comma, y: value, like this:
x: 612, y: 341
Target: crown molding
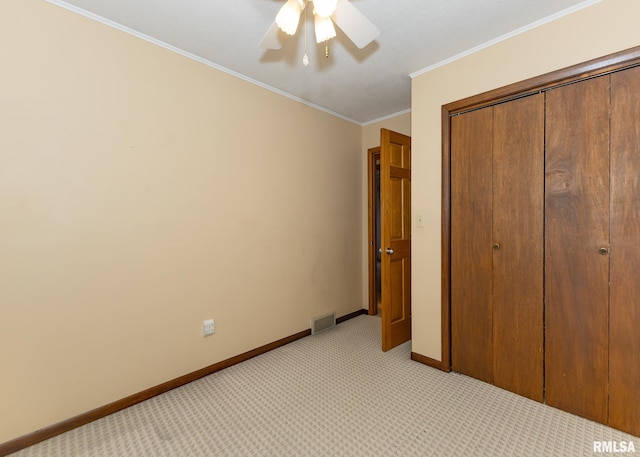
x: 384, y: 118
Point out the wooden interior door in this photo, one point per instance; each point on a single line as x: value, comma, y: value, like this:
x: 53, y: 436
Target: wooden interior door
x: 395, y: 200
x: 624, y: 308
x: 576, y: 248
x: 518, y: 224
x: 471, y: 243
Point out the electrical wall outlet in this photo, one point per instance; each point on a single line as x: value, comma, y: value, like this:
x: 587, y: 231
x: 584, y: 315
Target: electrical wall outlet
x: 208, y: 327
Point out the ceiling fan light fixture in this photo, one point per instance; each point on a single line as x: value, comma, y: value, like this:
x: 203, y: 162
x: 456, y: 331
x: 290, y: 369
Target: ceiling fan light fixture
x: 289, y: 16
x: 327, y: 13
x: 324, y: 29
x: 324, y: 8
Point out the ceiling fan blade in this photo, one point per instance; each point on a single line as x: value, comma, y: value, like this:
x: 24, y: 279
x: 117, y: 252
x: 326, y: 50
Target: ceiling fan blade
x: 354, y: 24
x: 271, y: 39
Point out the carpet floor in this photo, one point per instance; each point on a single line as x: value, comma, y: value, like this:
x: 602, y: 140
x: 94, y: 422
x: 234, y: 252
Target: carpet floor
x: 334, y: 394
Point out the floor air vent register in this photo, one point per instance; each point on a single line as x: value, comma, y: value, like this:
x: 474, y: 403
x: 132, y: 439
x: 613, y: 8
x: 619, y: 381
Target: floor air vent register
x: 321, y: 323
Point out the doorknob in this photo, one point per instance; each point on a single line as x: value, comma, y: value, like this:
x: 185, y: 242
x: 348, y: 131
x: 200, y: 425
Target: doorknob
x: 603, y: 251
x: 390, y: 251
x: 496, y: 246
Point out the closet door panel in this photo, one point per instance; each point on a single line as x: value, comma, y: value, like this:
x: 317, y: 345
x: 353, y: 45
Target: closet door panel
x: 624, y: 352
x: 471, y: 310
x: 518, y: 206
x: 576, y: 228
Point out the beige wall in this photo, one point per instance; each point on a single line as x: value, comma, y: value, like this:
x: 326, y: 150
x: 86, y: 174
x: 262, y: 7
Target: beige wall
x: 600, y: 29
x: 142, y: 192
x: 371, y: 139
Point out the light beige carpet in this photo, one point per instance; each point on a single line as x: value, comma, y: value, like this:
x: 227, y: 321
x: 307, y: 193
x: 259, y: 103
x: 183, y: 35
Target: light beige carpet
x: 335, y: 394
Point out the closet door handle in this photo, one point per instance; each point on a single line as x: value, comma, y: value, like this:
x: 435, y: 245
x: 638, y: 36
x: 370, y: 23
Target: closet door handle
x: 496, y: 246
x: 603, y: 251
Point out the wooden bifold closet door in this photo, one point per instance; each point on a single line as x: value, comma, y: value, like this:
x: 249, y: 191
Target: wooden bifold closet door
x: 593, y: 249
x: 624, y: 301
x: 471, y: 255
x: 545, y: 243
x: 497, y: 244
x: 577, y: 248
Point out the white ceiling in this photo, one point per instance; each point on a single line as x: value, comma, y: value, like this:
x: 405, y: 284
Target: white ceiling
x: 359, y: 85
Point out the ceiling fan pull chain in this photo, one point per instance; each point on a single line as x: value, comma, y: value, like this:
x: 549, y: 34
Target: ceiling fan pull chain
x: 326, y: 49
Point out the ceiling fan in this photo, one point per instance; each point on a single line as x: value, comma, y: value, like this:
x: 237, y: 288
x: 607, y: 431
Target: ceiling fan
x: 352, y: 22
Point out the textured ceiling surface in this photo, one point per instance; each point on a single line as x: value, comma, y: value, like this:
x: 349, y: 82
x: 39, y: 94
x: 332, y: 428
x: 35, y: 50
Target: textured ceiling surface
x: 357, y: 84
